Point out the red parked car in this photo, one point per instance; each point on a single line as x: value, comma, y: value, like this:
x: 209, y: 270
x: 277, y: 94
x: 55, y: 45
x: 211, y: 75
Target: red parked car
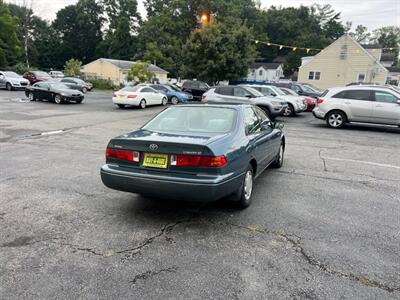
x: 311, y: 102
x: 36, y: 76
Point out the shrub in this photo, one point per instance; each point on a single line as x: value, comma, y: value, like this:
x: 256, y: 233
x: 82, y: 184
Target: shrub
x: 102, y: 84
x: 72, y: 68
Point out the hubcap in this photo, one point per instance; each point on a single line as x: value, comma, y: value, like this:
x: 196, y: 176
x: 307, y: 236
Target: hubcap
x: 174, y: 100
x: 164, y: 101
x: 288, y: 111
x: 57, y: 99
x: 143, y: 104
x: 248, y: 185
x: 335, y: 120
x: 30, y: 97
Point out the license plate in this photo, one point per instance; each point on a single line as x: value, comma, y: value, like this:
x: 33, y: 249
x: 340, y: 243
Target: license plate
x: 121, y: 96
x: 155, y: 160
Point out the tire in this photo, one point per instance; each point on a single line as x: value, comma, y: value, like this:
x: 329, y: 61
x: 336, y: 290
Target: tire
x: 9, y: 86
x: 142, y: 104
x: 279, y: 157
x: 121, y: 105
x: 58, y: 99
x: 164, y: 101
x: 31, y: 97
x: 242, y: 196
x: 84, y: 90
x: 79, y: 101
x: 336, y: 119
x: 289, y: 112
x: 174, y: 100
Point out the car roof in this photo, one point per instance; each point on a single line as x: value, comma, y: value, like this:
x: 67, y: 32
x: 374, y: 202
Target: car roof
x: 360, y: 87
x: 233, y: 105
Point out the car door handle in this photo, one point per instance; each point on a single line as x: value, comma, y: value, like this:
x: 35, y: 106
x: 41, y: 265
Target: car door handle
x: 347, y: 102
x: 379, y: 105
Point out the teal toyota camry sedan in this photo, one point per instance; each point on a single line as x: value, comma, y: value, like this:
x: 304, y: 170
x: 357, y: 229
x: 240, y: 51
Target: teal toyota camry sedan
x: 196, y: 152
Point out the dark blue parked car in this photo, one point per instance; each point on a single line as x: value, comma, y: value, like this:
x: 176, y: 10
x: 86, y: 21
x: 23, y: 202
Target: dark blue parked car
x: 174, y: 94
x: 196, y: 153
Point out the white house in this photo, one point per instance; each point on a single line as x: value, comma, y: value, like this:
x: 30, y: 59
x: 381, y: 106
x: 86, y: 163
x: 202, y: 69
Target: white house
x: 265, y: 72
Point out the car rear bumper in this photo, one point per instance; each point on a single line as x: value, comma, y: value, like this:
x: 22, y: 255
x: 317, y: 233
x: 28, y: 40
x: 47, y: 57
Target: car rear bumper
x: 196, y: 188
x: 318, y: 113
x: 126, y: 101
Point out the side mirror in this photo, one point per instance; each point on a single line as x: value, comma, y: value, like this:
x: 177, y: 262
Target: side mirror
x: 300, y: 92
x: 279, y: 125
x: 266, y: 125
x: 273, y: 95
x: 249, y: 96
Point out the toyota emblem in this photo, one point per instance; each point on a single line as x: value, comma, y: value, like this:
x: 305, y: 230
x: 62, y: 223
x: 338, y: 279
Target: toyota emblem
x: 153, y: 146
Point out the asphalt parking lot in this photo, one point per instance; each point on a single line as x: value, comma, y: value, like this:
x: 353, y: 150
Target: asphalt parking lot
x: 325, y: 226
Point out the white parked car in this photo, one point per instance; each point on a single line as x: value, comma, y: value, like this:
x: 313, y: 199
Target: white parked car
x: 56, y: 74
x: 139, y: 95
x: 296, y: 104
x: 365, y: 104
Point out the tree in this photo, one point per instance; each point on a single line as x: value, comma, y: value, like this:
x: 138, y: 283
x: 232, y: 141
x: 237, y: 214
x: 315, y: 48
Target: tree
x: 9, y: 44
x: 361, y: 34
x: 140, y: 72
x: 72, y: 67
x: 220, y: 51
x: 120, y: 42
x: 387, y: 37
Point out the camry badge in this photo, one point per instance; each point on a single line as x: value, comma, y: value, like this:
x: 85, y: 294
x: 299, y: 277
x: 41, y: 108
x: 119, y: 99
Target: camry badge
x: 153, y: 146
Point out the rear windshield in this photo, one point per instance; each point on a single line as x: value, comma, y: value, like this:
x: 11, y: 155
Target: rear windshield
x: 43, y: 74
x: 193, y: 119
x: 131, y: 88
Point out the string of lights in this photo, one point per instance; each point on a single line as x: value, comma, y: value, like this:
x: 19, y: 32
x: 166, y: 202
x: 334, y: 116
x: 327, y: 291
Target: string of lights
x: 307, y: 49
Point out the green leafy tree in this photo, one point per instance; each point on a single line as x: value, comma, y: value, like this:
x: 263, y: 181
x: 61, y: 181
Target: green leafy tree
x: 72, y: 67
x: 361, y: 34
x: 140, y: 72
x: 120, y: 42
x: 220, y: 51
x: 9, y: 44
x: 388, y: 37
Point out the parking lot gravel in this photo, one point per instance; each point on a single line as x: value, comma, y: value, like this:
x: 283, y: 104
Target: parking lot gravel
x: 325, y: 226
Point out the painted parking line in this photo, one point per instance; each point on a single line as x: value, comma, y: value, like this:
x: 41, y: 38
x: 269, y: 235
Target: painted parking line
x: 364, y: 162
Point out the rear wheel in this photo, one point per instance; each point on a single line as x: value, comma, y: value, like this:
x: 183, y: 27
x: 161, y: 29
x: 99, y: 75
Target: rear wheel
x: 58, y: 99
x: 174, y: 100
x: 242, y: 196
x: 121, y: 105
x: 142, y: 104
x: 289, y: 112
x: 336, y: 119
x: 279, y: 157
x: 164, y: 101
x: 9, y: 86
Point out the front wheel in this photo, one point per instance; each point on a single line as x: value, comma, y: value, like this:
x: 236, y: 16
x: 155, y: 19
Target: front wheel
x: 279, y: 157
x: 289, y: 112
x: 242, y: 196
x: 9, y: 86
x: 58, y: 99
x: 31, y: 97
x: 142, y: 104
x: 336, y: 119
x: 174, y: 100
x: 164, y: 101
x: 79, y: 101
x: 84, y: 90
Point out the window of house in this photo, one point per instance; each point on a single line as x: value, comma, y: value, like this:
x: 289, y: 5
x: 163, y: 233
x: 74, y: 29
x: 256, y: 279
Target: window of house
x: 361, y: 77
x: 260, y: 72
x: 314, y: 75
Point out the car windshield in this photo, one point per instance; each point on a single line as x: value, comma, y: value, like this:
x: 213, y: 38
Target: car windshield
x: 193, y: 119
x: 42, y: 74
x: 254, y: 92
x: 278, y: 91
x: 131, y: 88
x: 174, y: 88
x: 59, y: 86
x: 11, y: 74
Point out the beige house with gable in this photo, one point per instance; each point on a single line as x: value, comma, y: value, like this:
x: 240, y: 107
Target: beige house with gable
x: 342, y: 62
x: 117, y: 70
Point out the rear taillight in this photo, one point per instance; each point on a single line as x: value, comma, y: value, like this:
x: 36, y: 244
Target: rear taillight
x: 123, y: 154
x: 132, y: 96
x: 198, y: 161
x: 320, y: 100
x: 114, y: 94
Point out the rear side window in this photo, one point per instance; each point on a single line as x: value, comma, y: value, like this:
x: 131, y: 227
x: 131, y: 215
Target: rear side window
x: 241, y: 92
x: 224, y: 90
x: 364, y: 95
x: 147, y: 90
x: 251, y: 121
x: 385, y: 97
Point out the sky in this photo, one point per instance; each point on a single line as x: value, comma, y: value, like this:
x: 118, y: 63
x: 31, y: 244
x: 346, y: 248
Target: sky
x: 370, y: 13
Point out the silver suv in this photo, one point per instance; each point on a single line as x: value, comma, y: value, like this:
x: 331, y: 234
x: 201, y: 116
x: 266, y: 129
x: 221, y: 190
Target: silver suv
x: 364, y: 104
x: 272, y: 106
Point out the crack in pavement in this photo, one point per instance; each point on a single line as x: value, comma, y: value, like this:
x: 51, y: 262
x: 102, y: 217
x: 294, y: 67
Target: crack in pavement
x: 148, y: 274
x: 323, y: 160
x: 296, y: 245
